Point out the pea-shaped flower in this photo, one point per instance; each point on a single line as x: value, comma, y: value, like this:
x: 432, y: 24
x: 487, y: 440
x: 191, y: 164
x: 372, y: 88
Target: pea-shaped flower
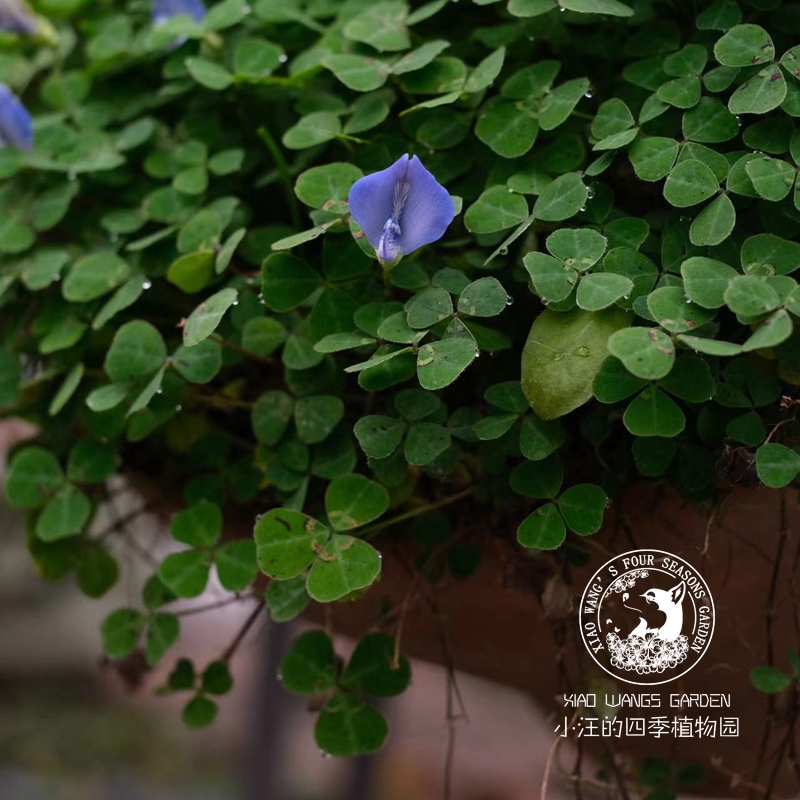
x: 165, y: 10
x: 401, y: 208
x: 16, y: 126
x: 17, y: 17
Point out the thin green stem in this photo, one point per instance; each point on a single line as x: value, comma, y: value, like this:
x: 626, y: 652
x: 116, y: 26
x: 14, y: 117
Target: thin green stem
x: 241, y: 350
x: 286, y: 177
x: 415, y: 512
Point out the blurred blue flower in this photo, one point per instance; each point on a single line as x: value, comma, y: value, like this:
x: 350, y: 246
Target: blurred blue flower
x: 401, y: 208
x: 165, y: 10
x: 17, y: 17
x: 16, y: 126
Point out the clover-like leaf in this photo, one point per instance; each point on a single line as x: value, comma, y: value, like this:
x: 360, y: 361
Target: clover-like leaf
x: 353, y: 500
x: 344, y: 565
x: 543, y: 529
x: 689, y: 183
x: 287, y: 542
x: 647, y: 353
x: 744, y: 46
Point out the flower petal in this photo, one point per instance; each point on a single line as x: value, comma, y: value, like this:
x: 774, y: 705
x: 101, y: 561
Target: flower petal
x: 427, y: 212
x: 164, y: 10
x: 16, y: 126
x: 372, y: 198
x: 16, y: 17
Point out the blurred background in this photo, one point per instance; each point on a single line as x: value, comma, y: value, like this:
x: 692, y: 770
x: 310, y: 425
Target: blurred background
x: 74, y: 728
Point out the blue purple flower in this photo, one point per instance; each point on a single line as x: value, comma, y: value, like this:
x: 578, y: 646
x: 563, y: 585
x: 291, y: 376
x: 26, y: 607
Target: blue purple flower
x: 16, y: 126
x: 17, y: 17
x: 165, y: 10
x: 401, y: 208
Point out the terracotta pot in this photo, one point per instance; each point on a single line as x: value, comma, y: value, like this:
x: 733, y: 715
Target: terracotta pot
x: 515, y: 620
x: 503, y: 622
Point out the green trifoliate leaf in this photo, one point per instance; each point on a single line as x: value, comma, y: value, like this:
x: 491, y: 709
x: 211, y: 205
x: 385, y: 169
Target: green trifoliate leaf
x: 343, y: 566
x: 203, y: 321
x: 654, y: 413
x: 353, y: 500
x: 744, y: 46
x: 287, y: 542
x: 600, y: 290
x: 543, y: 529
x: 690, y: 182
x: 582, y: 507
x: 495, y: 210
x: 347, y: 726
x: 647, y: 353
x: 777, y: 465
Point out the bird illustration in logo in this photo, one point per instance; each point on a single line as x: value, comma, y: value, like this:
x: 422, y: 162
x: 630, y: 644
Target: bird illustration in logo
x: 670, y: 602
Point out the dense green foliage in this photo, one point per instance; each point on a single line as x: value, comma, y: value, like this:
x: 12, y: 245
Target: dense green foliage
x: 184, y: 294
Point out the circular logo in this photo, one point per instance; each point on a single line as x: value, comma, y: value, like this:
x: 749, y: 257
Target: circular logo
x: 647, y: 617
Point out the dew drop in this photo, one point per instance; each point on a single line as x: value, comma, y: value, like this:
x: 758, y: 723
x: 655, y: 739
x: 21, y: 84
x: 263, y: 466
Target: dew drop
x: 590, y: 193
x: 236, y: 302
x: 159, y: 390
x: 146, y: 285
x: 509, y: 301
x: 583, y: 208
x: 477, y: 354
x: 283, y: 58
x: 179, y: 408
x: 583, y: 351
x: 589, y: 93
x: 503, y: 251
x: 558, y: 356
